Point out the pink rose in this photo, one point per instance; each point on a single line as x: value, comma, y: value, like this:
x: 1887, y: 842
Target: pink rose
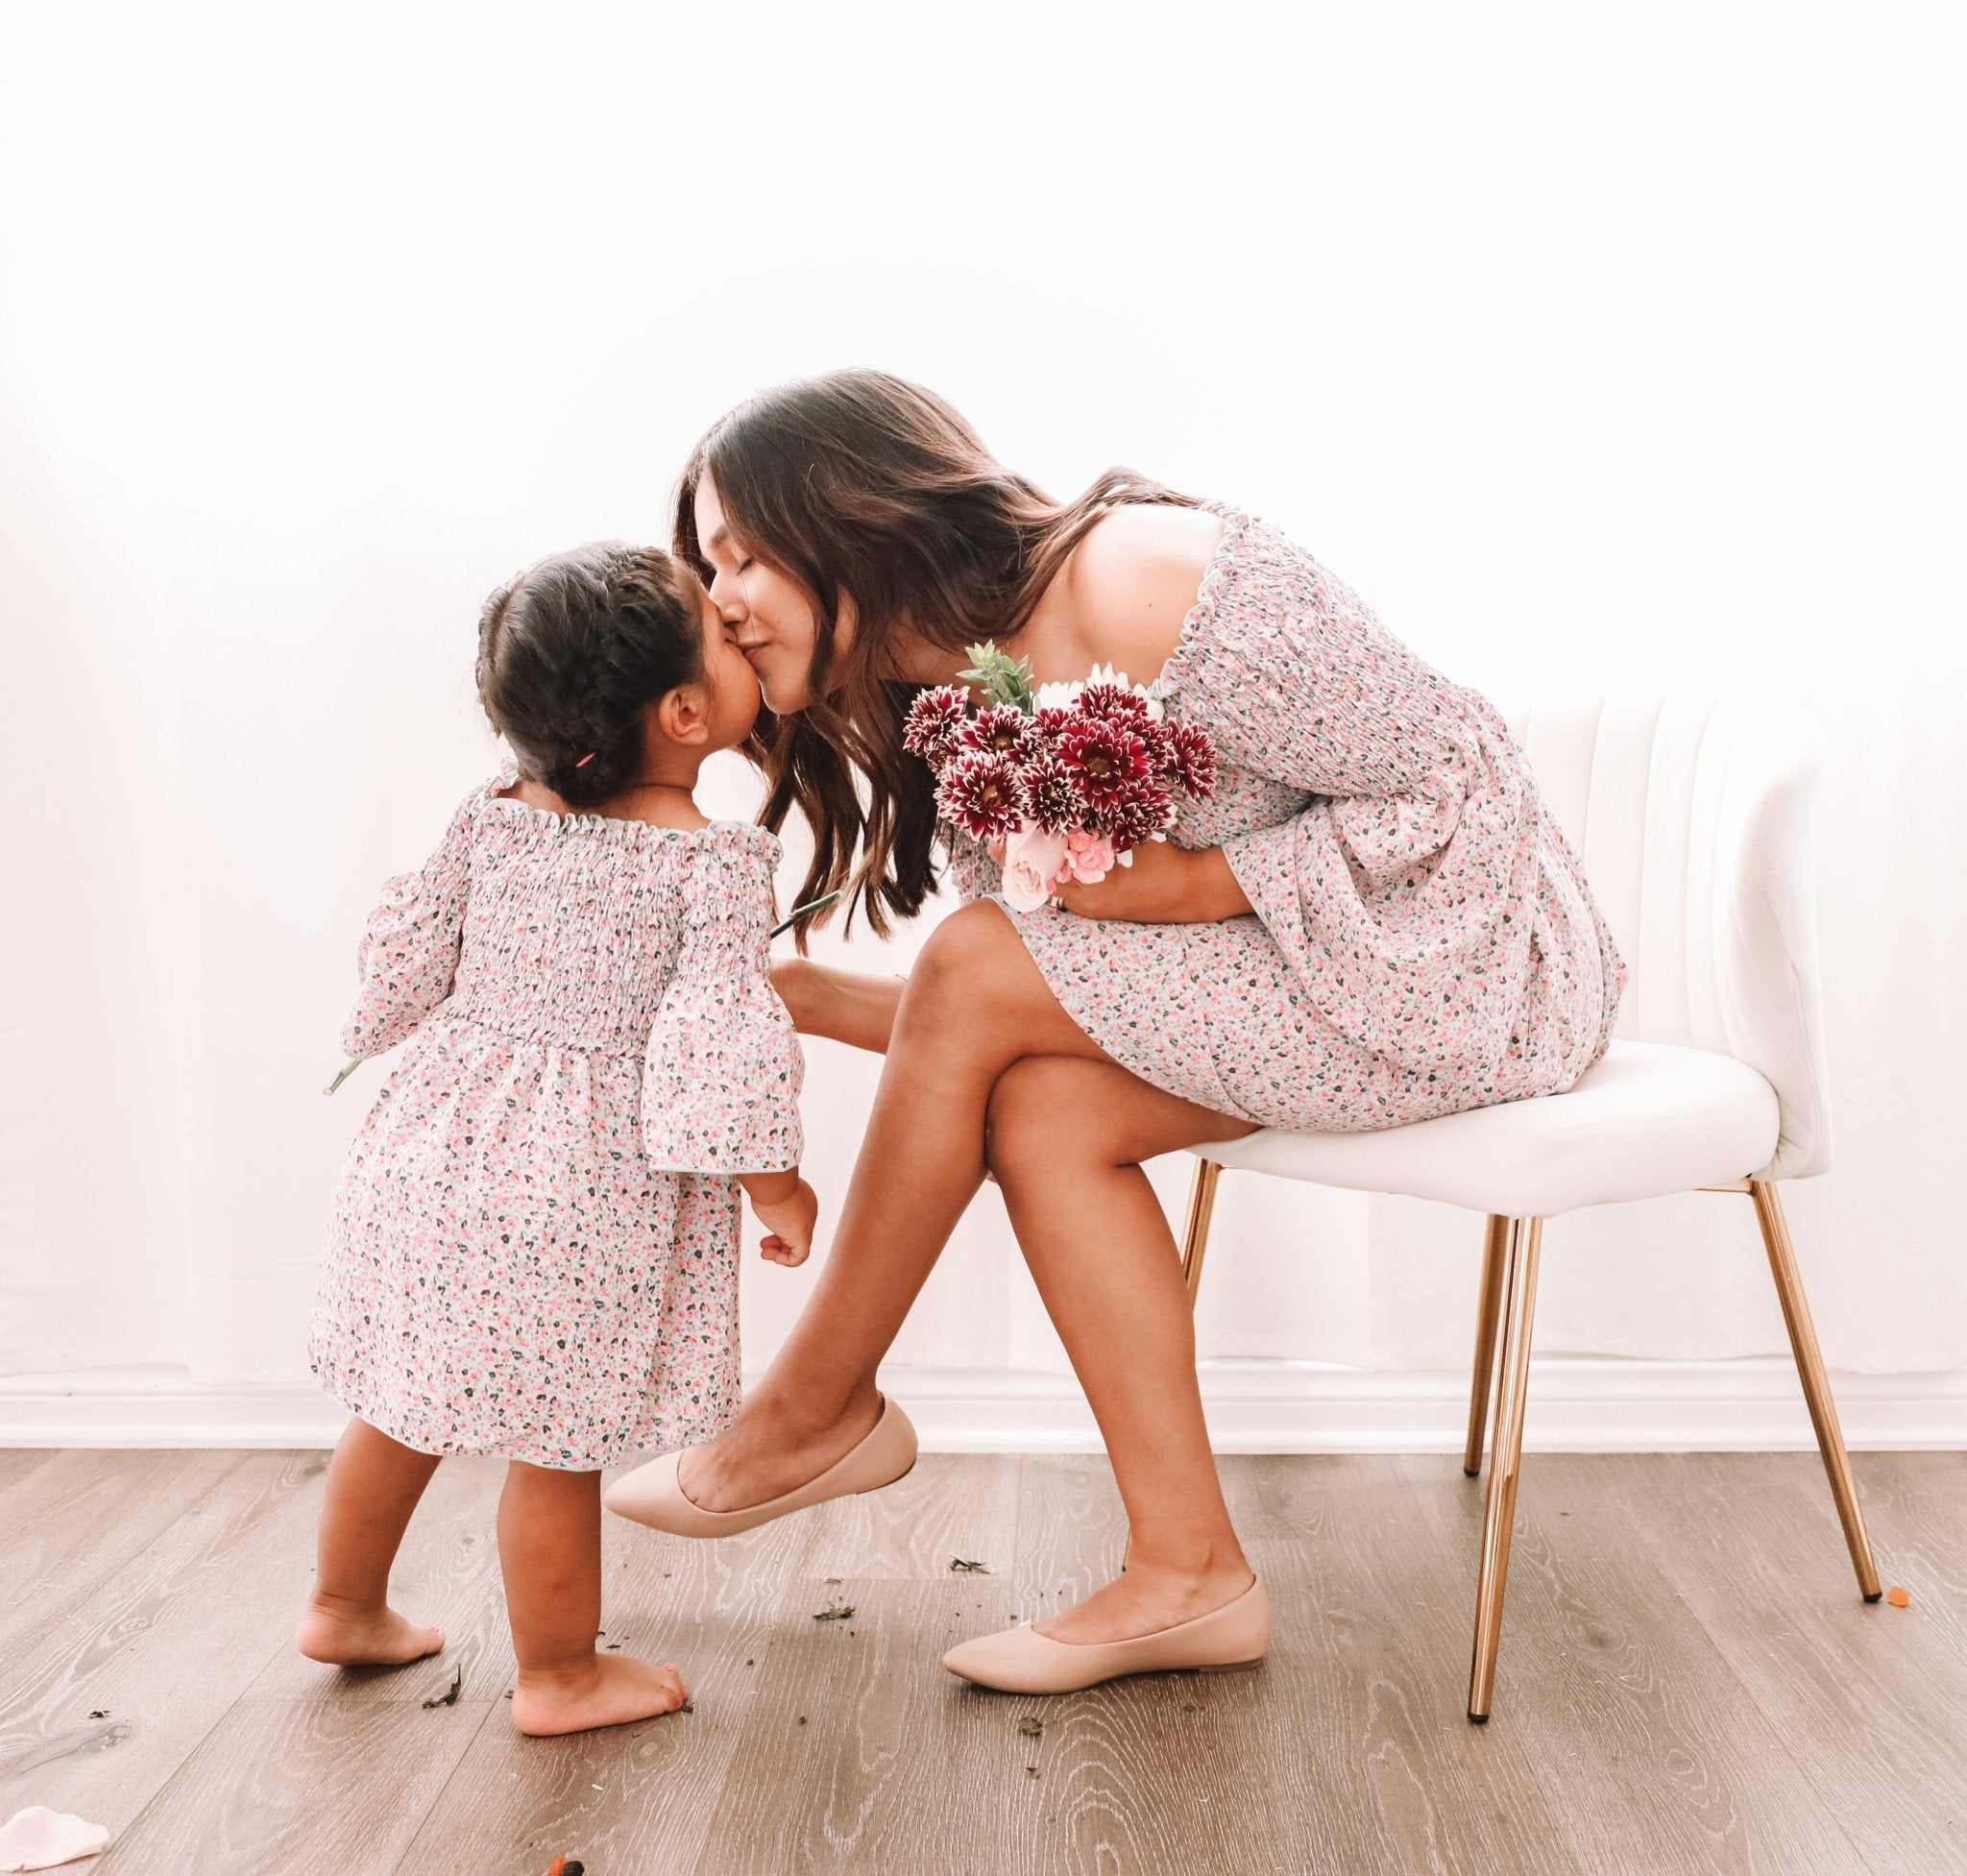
x: 1088, y: 857
x: 1032, y: 860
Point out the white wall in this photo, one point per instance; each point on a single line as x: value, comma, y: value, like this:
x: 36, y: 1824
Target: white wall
x: 1593, y: 347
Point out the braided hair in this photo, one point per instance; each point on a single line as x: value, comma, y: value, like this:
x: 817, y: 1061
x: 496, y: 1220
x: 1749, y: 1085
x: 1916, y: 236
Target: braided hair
x: 573, y: 651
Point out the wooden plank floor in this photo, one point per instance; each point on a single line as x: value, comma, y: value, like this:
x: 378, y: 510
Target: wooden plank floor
x: 1689, y: 1680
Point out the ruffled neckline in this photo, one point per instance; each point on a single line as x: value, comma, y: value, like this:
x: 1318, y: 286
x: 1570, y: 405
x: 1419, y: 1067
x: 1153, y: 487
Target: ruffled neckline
x: 611, y: 828
x: 1236, y: 523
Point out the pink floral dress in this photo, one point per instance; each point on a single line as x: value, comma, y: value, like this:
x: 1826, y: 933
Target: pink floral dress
x: 1423, y: 940
x: 533, y: 1246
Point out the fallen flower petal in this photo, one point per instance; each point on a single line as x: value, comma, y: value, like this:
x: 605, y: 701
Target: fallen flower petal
x: 39, y: 1839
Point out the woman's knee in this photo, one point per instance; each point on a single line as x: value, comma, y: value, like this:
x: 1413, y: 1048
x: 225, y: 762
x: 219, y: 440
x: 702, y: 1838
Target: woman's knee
x: 1040, y: 1117
x: 962, y: 958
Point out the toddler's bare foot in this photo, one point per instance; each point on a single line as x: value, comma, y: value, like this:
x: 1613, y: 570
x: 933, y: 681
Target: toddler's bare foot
x: 369, y: 1638
x: 611, y: 1690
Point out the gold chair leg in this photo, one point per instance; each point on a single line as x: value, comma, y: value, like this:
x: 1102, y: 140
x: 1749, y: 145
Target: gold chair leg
x: 1520, y: 1306
x: 1488, y: 1314
x: 1816, y: 1386
x: 1195, y: 1236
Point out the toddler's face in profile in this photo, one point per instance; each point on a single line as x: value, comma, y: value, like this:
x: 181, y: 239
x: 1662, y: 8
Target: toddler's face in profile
x: 728, y: 679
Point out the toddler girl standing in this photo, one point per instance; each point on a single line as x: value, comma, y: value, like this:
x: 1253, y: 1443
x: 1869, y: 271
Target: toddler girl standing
x: 532, y: 1252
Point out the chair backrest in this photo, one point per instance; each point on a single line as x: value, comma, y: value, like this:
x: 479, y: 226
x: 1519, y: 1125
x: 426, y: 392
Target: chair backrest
x: 1695, y: 818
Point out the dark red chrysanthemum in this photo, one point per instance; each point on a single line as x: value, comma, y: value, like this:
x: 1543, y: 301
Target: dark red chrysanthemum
x: 1137, y: 818
x: 1192, y: 760
x: 1052, y: 795
x: 981, y: 793
x: 1000, y: 730
x: 935, y: 726
x: 1113, y: 704
x: 1051, y: 722
x: 1109, y: 759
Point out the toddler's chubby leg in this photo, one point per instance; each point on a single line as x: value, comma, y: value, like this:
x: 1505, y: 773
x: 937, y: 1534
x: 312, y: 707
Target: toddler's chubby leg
x: 550, y: 1547
x: 373, y: 1486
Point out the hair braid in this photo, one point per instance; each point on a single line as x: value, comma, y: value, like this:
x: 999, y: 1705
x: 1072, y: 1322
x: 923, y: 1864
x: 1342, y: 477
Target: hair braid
x: 573, y: 650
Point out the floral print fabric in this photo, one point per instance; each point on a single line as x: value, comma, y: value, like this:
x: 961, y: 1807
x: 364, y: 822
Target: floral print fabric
x: 532, y: 1249
x: 1422, y: 939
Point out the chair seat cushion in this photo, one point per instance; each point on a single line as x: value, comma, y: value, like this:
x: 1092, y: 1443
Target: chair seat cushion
x: 1646, y: 1120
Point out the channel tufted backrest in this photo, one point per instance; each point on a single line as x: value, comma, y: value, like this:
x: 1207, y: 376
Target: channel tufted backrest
x: 1695, y: 818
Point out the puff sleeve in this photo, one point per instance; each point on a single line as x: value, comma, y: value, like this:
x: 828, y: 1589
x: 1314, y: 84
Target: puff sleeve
x: 971, y: 867
x: 1403, y: 895
x: 407, y: 957
x: 723, y: 1071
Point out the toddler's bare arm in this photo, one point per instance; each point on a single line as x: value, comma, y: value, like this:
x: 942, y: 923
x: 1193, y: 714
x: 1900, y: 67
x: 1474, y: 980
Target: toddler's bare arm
x: 789, y: 1209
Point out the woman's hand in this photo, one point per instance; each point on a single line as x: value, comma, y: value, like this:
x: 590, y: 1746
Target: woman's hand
x: 849, y: 1006
x: 801, y: 990
x: 1166, y: 885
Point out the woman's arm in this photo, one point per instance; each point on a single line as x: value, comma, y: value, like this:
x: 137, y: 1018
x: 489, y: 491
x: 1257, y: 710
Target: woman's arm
x: 1124, y: 592
x: 1166, y: 885
x: 849, y: 1006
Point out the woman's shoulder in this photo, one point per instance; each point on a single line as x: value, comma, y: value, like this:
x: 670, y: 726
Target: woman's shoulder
x: 1123, y: 595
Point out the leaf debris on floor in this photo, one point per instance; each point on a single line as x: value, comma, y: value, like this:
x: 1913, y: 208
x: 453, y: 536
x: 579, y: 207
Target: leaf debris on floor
x: 449, y: 1697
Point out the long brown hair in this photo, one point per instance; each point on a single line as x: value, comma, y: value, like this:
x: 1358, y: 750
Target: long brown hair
x: 861, y: 484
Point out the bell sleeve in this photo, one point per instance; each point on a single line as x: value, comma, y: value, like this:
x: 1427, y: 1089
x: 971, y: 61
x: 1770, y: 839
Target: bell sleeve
x: 1401, y: 896
x: 407, y: 957
x: 723, y: 1071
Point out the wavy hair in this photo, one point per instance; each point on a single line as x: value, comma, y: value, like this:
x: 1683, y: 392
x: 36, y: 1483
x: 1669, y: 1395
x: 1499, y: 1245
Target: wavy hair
x: 860, y: 485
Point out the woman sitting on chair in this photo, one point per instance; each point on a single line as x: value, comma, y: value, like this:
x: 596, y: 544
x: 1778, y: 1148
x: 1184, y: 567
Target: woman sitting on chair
x: 1374, y: 921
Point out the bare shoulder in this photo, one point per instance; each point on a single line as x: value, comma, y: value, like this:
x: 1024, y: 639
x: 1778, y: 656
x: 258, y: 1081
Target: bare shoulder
x: 1131, y: 582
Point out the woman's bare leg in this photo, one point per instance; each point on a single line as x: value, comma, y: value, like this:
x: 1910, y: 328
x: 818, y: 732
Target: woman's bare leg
x: 1066, y: 1141
x: 974, y: 1004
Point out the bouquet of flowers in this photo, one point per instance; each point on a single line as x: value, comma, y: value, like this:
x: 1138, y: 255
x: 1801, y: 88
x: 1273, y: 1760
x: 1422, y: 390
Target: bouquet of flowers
x: 1071, y: 778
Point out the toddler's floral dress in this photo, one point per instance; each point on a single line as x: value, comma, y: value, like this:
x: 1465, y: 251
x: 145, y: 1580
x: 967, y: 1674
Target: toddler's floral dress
x: 533, y: 1246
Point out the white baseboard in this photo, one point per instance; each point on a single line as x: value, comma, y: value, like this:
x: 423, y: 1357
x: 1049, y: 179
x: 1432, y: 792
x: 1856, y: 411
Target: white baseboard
x: 1577, y: 1405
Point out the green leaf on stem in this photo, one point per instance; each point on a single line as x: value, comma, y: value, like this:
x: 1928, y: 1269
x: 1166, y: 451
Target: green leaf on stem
x: 1005, y: 679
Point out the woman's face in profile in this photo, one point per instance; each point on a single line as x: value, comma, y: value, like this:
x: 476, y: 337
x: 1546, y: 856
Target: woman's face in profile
x: 770, y: 616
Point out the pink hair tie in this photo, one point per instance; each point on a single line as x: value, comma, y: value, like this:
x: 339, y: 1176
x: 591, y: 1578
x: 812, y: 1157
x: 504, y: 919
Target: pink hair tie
x: 584, y: 760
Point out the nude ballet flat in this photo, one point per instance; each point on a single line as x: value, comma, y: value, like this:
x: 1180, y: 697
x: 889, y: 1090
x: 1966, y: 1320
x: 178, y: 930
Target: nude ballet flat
x: 650, y: 1494
x: 1022, y: 1661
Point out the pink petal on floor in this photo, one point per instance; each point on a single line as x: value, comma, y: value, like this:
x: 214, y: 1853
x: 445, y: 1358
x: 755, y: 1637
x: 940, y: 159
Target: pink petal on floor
x: 39, y: 1839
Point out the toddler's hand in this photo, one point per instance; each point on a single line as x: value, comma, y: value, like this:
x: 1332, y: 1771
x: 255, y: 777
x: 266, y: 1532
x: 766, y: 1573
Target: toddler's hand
x: 789, y: 1221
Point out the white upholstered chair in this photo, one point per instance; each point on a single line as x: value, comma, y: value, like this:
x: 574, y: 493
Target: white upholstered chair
x: 1694, y: 818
